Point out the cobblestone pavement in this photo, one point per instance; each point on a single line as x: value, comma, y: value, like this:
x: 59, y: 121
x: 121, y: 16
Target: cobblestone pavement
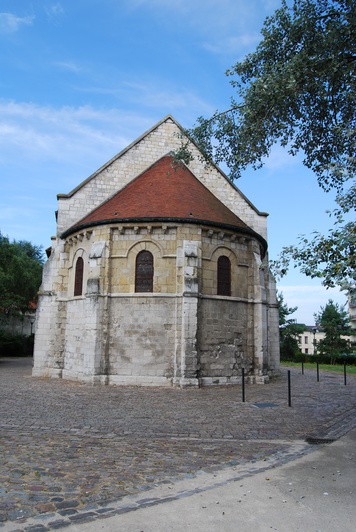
x: 68, y: 450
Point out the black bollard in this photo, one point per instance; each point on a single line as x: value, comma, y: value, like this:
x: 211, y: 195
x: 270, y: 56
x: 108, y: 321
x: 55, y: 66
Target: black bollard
x: 243, y: 383
x: 302, y: 368
x: 289, y: 390
x: 345, y: 374
x: 317, y: 371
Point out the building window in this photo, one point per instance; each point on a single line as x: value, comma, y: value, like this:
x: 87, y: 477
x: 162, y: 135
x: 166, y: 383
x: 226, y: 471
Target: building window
x: 306, y: 351
x: 144, y: 272
x: 305, y: 339
x: 224, y: 276
x: 78, y: 280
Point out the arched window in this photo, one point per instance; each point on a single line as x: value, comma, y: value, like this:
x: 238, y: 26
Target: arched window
x: 78, y: 279
x: 224, y: 276
x: 144, y: 272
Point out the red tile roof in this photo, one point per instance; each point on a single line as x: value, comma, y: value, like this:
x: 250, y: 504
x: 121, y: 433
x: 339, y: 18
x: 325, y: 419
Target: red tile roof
x: 165, y: 191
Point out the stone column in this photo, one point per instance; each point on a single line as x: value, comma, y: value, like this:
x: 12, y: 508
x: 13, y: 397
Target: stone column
x: 273, y: 327
x: 50, y: 321
x: 260, y: 323
x: 186, y: 363
x: 97, y: 312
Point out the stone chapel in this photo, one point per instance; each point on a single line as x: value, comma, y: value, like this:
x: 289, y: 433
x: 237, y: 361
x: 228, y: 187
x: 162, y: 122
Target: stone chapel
x: 158, y: 275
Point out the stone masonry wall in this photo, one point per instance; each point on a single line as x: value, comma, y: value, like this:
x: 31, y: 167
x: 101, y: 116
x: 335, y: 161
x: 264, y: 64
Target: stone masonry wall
x: 128, y: 241
x: 237, y: 249
x: 179, y: 332
x: 141, y: 340
x: 223, y: 343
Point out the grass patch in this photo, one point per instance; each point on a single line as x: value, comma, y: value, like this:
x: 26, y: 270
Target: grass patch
x: 338, y: 368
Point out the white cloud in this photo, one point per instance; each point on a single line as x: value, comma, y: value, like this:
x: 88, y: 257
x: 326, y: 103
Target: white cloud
x: 8, y: 213
x: 10, y: 23
x: 68, y: 65
x: 54, y: 10
x: 309, y: 299
x: 65, y: 134
x: 157, y: 94
x: 232, y: 44
x: 219, y: 25
x: 45, y: 150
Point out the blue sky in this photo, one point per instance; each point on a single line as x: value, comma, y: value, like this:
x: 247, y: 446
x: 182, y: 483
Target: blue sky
x: 81, y: 79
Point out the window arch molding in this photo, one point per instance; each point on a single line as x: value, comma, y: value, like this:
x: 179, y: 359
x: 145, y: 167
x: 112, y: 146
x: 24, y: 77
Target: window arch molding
x: 228, y: 287
x: 223, y: 250
x: 150, y: 247
x: 144, y: 271
x: 154, y: 247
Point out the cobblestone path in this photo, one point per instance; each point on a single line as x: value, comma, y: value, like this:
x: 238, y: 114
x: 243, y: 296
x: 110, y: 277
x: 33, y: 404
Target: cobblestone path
x: 69, y: 449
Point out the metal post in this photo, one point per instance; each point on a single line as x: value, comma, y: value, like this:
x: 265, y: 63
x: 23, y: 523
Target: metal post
x: 317, y: 371
x: 289, y: 390
x: 243, y: 383
x: 345, y: 374
x: 314, y: 341
x: 302, y: 368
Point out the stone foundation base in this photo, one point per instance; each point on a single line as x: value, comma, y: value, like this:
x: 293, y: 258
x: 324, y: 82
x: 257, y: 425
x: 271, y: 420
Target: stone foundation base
x: 219, y: 381
x: 140, y: 380
x: 52, y: 373
x: 136, y: 380
x: 185, y: 383
x: 258, y: 379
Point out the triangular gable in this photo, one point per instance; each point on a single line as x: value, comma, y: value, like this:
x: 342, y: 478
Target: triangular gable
x: 116, y: 174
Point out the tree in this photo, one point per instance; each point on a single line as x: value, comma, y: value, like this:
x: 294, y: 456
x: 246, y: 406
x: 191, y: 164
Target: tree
x: 289, y: 330
x: 298, y: 89
x: 20, y: 275
x: 330, y: 257
x: 334, y: 322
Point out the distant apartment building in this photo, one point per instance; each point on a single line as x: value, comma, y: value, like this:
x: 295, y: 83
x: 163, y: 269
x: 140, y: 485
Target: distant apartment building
x: 309, y: 339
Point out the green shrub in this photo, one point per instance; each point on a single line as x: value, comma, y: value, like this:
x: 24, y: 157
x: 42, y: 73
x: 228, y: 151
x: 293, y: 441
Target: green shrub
x: 348, y: 359
x: 16, y: 345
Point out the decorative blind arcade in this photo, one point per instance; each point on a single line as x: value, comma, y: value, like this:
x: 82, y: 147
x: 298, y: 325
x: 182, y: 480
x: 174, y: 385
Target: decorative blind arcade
x: 144, y: 272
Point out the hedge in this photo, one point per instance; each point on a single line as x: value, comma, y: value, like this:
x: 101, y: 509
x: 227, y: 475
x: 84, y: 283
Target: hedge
x: 16, y: 345
x: 350, y: 359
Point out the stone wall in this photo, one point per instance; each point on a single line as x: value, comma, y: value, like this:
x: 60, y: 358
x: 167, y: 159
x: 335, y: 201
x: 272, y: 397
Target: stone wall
x: 224, y: 345
x: 162, y: 139
x: 142, y: 340
x: 182, y: 333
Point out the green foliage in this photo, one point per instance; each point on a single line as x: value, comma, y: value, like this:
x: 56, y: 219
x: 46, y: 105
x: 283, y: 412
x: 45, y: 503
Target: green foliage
x: 298, y: 358
x: 16, y: 345
x: 289, y: 330
x: 298, y: 90
x: 334, y: 321
x: 20, y: 274
x: 330, y: 257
